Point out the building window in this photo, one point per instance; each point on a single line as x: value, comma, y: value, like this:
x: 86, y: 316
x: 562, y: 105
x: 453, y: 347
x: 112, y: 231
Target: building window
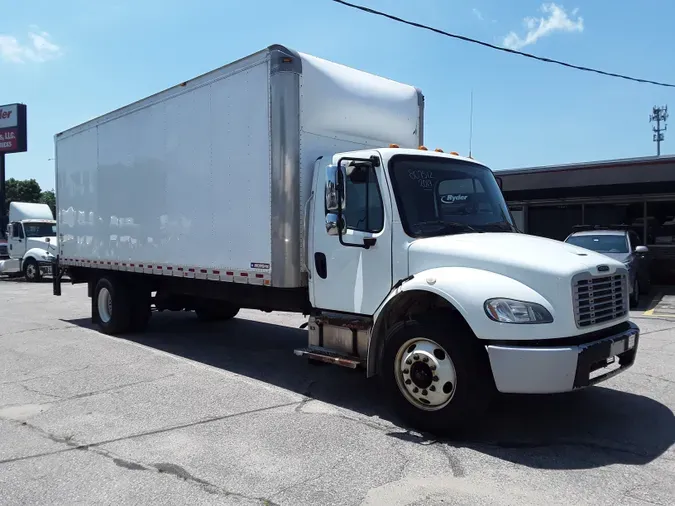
x: 660, y: 223
x: 554, y: 222
x: 615, y: 214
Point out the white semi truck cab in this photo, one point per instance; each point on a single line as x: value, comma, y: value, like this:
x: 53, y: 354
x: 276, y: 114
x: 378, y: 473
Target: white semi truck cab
x: 31, y: 241
x: 282, y: 195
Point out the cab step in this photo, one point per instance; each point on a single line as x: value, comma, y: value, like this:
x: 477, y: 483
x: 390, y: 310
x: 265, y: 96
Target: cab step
x: 328, y: 356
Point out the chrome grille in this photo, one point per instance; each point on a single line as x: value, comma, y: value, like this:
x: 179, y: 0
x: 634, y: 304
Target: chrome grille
x: 600, y: 299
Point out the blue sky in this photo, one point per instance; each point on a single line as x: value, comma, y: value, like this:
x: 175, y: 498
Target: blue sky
x: 75, y: 59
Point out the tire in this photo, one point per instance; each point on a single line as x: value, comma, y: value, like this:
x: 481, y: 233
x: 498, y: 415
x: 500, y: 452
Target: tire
x: 140, y: 312
x: 112, y: 306
x: 467, y: 384
x: 646, y: 285
x: 635, y: 296
x: 216, y: 311
x: 31, y: 271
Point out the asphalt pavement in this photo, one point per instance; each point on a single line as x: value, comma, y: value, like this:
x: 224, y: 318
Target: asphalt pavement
x: 192, y: 413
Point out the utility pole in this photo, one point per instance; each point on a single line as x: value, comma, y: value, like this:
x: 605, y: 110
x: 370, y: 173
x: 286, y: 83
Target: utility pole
x: 659, y: 115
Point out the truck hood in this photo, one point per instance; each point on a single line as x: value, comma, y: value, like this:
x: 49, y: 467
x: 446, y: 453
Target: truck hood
x: 544, y: 265
x: 41, y: 242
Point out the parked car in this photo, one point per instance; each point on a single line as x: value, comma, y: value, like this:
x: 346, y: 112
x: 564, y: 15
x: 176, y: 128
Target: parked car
x: 622, y: 245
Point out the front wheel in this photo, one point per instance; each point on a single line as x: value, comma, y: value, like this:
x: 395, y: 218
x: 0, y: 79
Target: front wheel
x: 436, y: 374
x: 31, y: 270
x: 635, y: 296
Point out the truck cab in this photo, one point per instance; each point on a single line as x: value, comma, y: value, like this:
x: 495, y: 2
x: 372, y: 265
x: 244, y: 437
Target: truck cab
x: 418, y: 273
x: 31, y: 241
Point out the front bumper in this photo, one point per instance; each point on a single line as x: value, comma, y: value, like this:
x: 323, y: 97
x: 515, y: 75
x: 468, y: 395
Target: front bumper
x: 541, y: 369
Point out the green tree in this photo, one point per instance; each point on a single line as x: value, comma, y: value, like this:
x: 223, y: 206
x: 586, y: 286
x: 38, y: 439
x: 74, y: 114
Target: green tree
x: 48, y: 197
x: 27, y: 190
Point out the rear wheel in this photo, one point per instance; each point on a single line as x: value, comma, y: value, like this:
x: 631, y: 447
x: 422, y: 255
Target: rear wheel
x: 111, y: 306
x: 436, y: 374
x: 140, y: 311
x: 213, y: 311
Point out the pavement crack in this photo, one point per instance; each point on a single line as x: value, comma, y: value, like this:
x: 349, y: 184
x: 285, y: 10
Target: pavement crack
x: 56, y: 373
x: 72, y: 445
x: 117, y: 387
x: 37, y: 329
x: 310, y: 479
x: 35, y: 391
x: 654, y: 377
x: 307, y: 397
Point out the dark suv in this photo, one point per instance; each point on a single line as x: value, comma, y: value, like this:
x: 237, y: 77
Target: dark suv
x: 622, y: 245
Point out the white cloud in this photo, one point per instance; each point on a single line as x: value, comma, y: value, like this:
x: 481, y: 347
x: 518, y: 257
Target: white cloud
x: 38, y: 48
x: 478, y: 14
x: 555, y: 19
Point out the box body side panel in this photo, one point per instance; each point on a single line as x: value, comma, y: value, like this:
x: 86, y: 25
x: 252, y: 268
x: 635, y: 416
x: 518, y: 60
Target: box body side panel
x: 180, y: 182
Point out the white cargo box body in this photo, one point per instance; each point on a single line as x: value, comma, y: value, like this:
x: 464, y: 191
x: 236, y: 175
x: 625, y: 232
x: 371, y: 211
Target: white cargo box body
x: 209, y: 179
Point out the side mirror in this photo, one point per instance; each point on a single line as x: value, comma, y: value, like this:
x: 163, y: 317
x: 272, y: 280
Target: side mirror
x: 334, y: 183
x: 332, y: 224
x: 641, y: 249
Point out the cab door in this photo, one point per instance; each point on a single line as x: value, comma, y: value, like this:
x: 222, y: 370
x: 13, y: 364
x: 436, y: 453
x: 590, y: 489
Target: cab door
x: 16, y: 240
x: 351, y: 272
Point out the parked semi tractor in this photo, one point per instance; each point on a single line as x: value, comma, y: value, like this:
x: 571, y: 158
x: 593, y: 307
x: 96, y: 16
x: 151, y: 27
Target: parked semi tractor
x: 31, y: 246
x: 284, y: 182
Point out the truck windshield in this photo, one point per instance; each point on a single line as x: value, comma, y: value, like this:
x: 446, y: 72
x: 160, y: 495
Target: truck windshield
x: 442, y: 196
x: 40, y: 229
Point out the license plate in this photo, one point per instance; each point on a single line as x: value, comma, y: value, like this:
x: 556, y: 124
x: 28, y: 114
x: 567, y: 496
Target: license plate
x: 631, y: 341
x: 622, y: 345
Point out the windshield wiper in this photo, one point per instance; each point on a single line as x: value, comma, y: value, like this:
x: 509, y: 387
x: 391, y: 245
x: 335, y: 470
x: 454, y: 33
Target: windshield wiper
x: 500, y: 225
x: 450, y: 225
x: 457, y: 224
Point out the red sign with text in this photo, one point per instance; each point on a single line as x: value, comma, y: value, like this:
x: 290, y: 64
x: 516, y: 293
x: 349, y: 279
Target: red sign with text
x: 13, y: 128
x: 9, y: 140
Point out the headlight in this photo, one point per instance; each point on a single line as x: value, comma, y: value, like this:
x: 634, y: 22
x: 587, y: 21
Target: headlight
x: 516, y: 311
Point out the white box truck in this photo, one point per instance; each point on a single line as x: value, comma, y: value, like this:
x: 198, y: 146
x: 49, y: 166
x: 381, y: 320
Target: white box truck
x: 286, y: 182
x: 31, y: 241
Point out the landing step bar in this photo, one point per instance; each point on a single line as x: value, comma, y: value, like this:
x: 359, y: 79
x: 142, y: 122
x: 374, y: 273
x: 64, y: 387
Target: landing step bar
x: 328, y: 356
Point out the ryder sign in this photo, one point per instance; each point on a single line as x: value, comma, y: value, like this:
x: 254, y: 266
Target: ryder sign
x: 13, y: 128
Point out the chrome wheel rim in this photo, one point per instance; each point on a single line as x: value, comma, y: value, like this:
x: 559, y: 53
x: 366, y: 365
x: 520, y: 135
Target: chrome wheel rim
x: 30, y: 271
x: 425, y: 374
x: 105, y: 305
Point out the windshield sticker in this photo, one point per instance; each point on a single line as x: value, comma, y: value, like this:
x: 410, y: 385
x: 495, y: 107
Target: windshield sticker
x: 452, y: 199
x: 424, y: 178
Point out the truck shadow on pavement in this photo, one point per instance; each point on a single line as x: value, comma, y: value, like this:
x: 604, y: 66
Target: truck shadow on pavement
x: 596, y: 427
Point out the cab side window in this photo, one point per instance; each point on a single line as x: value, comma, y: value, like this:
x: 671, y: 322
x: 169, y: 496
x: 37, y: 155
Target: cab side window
x: 17, y: 231
x: 365, y: 211
x: 634, y: 240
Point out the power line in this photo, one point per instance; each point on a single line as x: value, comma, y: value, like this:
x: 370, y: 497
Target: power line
x: 499, y: 48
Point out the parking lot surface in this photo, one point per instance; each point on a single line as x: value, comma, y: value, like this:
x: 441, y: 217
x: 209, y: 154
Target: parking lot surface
x: 192, y: 413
